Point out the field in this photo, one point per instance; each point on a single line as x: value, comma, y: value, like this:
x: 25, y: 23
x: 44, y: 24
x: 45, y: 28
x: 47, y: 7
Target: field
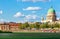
x: 29, y: 35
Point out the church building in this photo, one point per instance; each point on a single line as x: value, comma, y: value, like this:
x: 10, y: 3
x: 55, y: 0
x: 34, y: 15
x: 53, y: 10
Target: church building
x: 51, y: 16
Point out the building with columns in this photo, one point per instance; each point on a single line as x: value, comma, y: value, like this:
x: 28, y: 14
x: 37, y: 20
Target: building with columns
x: 51, y: 16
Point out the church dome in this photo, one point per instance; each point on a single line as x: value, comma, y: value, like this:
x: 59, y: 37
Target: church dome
x: 51, y: 10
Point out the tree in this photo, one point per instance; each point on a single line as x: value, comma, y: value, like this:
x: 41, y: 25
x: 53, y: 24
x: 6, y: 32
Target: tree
x: 26, y: 24
x: 56, y: 25
x: 59, y: 25
x: 37, y: 25
x: 44, y: 25
x: 20, y: 25
x: 32, y: 26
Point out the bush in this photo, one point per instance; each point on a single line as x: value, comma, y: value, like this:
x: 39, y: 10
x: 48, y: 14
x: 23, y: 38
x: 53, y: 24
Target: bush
x: 5, y: 31
x: 1, y: 31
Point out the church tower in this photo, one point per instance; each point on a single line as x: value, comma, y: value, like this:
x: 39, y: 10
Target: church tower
x: 42, y: 19
x: 51, y: 15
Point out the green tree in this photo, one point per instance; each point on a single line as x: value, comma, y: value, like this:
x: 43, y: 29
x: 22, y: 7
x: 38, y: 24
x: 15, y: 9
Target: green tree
x: 20, y: 25
x: 32, y: 26
x: 56, y: 25
x: 26, y: 24
x: 44, y: 25
x: 37, y: 25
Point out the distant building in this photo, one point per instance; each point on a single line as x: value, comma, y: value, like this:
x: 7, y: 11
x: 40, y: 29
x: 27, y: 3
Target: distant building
x: 4, y: 27
x: 11, y: 26
x: 51, y: 17
x: 14, y: 26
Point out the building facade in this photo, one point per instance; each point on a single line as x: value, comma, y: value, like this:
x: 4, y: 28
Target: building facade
x: 51, y: 16
x: 9, y: 26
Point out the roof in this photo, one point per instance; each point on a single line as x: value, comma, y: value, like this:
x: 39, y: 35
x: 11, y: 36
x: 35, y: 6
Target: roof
x: 11, y: 24
x: 51, y: 10
x: 14, y: 24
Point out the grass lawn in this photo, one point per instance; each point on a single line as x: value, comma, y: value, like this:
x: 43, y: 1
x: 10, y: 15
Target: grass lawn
x: 29, y: 35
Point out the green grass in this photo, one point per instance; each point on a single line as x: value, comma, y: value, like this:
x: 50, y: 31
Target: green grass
x: 30, y: 36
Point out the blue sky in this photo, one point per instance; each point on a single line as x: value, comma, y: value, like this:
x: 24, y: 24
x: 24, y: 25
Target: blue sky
x: 26, y: 10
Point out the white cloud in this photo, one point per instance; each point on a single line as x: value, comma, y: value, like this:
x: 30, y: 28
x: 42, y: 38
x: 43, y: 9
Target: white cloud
x: 31, y: 17
x: 58, y: 18
x: 34, y: 16
x: 18, y: 14
x: 58, y: 14
x: 1, y: 11
x: 35, y: 0
x: 32, y: 8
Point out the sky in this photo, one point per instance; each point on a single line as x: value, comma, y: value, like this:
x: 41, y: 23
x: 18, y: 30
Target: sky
x: 26, y: 10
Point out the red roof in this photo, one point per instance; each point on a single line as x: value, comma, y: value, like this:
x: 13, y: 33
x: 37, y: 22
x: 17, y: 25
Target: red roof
x: 14, y: 24
x: 11, y: 24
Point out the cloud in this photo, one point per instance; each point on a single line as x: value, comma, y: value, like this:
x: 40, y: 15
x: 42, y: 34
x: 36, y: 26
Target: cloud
x: 31, y: 17
x: 33, y: 8
x: 36, y: 0
x: 1, y: 11
x: 18, y: 14
x: 58, y: 18
x: 58, y: 14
